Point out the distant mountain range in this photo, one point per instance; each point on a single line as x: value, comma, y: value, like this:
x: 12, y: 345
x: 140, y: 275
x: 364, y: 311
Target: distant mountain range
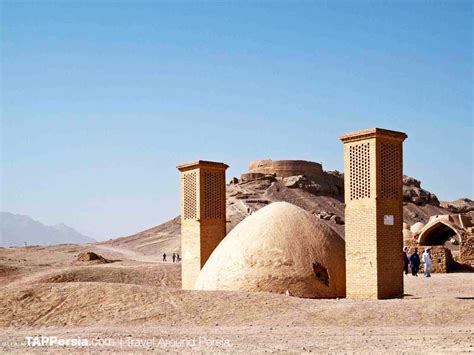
x: 16, y: 229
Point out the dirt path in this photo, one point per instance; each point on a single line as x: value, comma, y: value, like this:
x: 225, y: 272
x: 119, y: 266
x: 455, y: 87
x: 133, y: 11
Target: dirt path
x: 127, y: 253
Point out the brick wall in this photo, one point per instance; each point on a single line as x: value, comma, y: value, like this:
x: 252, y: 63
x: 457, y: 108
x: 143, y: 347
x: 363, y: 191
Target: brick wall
x: 467, y: 250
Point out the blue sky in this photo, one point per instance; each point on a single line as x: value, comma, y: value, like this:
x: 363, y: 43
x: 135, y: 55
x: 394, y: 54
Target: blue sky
x: 101, y: 100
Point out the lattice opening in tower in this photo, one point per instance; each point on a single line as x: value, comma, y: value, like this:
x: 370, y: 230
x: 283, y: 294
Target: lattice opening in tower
x: 359, y: 171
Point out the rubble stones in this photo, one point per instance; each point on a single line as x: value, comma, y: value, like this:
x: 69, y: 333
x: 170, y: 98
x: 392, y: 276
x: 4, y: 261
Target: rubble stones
x: 412, y: 192
x: 325, y: 185
x: 462, y: 205
x: 256, y: 176
x: 328, y: 216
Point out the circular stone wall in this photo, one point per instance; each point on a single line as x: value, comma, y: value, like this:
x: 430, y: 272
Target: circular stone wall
x: 286, y: 168
x: 280, y: 247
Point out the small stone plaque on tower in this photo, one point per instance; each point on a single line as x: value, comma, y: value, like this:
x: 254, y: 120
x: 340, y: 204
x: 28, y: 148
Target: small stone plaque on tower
x: 388, y: 220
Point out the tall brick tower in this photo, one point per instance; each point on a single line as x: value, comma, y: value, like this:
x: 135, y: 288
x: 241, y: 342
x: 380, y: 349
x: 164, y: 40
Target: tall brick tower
x: 373, y: 164
x: 203, y: 215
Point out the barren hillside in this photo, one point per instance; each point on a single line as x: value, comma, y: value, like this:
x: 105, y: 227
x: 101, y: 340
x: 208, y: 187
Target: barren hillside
x: 322, y: 195
x: 153, y: 241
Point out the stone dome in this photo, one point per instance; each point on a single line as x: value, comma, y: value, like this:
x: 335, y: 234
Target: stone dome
x: 417, y: 227
x: 407, y: 235
x: 280, y: 247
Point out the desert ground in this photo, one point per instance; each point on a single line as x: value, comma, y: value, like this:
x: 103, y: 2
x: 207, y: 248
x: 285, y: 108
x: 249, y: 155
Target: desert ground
x: 135, y: 304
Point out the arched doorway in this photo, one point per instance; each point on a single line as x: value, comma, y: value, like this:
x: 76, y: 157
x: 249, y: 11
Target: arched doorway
x: 446, y: 242
x: 438, y: 233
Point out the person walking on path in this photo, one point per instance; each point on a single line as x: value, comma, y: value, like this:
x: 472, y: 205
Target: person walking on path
x: 174, y: 257
x: 164, y: 256
x: 415, y: 263
x: 427, y: 261
x: 406, y: 260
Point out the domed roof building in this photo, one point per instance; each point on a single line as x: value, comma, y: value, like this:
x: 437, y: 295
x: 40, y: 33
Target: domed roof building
x: 417, y: 227
x: 279, y: 248
x: 407, y: 235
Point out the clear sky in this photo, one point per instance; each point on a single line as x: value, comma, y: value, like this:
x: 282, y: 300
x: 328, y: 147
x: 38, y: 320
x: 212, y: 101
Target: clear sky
x: 101, y: 100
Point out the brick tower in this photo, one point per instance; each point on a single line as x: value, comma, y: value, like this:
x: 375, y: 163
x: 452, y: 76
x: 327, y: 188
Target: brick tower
x: 203, y: 215
x: 374, y: 213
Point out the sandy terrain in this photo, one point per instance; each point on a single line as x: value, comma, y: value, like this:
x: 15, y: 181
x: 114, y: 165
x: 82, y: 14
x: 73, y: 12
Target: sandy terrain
x: 136, y: 304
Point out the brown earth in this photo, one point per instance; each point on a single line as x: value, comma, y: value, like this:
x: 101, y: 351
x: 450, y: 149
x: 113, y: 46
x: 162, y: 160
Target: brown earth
x: 131, y: 303
x: 135, y: 304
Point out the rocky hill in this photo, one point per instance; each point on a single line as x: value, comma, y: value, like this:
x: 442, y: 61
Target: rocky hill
x: 307, y: 186
x: 462, y: 205
x: 154, y: 241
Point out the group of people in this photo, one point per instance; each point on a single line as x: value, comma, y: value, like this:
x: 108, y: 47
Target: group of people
x: 176, y: 258
x: 414, y: 262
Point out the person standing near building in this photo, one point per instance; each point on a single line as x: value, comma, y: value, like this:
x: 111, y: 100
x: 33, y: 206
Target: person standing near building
x: 427, y: 261
x: 164, y: 256
x: 174, y: 257
x: 414, y: 262
x: 406, y: 260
